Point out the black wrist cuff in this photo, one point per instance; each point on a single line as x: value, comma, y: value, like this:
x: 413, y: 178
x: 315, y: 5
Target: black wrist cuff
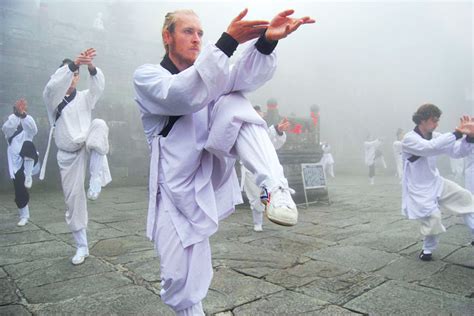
x: 227, y: 44
x: 278, y: 132
x: 469, y: 139
x: 457, y: 134
x: 264, y: 46
x: 73, y: 67
x: 92, y: 71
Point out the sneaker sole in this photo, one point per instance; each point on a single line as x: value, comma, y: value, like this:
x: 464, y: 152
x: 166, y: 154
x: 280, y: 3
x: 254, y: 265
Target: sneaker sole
x: 278, y: 221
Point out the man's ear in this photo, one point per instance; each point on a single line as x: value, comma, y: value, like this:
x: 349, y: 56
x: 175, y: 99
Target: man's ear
x: 166, y: 37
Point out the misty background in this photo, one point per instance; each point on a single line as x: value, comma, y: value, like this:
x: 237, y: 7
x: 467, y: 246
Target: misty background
x: 367, y: 65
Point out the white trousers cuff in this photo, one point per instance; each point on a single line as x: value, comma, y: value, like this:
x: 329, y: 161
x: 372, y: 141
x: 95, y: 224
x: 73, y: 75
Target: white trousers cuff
x: 25, y: 212
x: 195, y: 310
x: 80, y: 237
x: 430, y: 243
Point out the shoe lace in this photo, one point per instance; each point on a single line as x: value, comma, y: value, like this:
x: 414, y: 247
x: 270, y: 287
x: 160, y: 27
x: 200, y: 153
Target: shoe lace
x: 281, y: 196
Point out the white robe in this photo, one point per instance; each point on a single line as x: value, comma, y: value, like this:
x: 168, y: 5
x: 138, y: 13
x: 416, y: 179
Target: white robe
x: 193, y: 183
x: 75, y: 133
x: 370, y: 147
x: 199, y: 183
x: 13, y: 152
x: 469, y: 171
x: 422, y: 184
x: 397, y: 154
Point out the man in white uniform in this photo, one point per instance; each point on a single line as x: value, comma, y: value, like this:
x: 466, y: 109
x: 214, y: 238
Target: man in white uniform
x: 248, y: 183
x: 370, y: 149
x: 327, y: 160
x: 397, y: 152
x: 19, y: 130
x: 424, y: 191
x: 197, y: 122
x: 77, y: 137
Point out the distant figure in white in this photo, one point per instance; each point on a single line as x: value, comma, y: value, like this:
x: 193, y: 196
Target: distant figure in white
x: 99, y: 23
x: 397, y: 152
x: 371, y: 154
x: 248, y: 182
x: 327, y: 160
x: 78, y: 137
x: 19, y: 130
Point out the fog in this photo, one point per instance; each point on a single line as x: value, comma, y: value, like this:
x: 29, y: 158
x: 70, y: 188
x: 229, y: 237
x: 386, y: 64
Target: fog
x: 367, y: 65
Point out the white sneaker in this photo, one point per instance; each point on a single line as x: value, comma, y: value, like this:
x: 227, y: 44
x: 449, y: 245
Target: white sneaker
x: 28, y: 182
x: 22, y: 222
x: 281, y: 209
x: 257, y: 228
x: 80, y: 256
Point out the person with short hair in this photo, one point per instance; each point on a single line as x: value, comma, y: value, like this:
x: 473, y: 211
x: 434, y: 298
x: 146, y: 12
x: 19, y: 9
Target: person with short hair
x: 19, y: 130
x: 78, y: 139
x: 424, y: 191
x: 198, y: 122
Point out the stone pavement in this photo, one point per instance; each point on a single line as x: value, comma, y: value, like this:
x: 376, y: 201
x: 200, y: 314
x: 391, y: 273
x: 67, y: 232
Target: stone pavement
x: 354, y: 256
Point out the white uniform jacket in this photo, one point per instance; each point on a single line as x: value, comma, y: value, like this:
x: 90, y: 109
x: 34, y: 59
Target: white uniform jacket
x: 421, y: 181
x: 200, y: 188
x: 13, y: 152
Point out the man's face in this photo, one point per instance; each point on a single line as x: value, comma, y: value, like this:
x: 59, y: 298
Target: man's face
x: 21, y: 105
x: 430, y: 124
x: 185, y: 42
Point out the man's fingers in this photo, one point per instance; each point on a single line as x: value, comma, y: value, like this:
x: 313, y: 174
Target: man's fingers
x: 255, y: 23
x: 240, y: 16
x: 286, y: 13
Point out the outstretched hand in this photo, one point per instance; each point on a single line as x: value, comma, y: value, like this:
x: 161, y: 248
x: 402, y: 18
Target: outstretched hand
x: 86, y: 58
x: 282, y: 25
x: 466, y: 126
x: 243, y: 31
x: 284, y: 125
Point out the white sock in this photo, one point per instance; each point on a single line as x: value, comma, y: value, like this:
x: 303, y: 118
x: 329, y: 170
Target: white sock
x: 25, y: 212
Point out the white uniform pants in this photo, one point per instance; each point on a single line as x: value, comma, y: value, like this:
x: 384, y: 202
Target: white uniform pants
x: 455, y: 199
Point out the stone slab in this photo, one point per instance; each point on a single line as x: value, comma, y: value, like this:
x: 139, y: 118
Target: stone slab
x: 128, y: 300
x: 117, y: 246
x: 24, y: 237
x: 229, y: 289
x: 14, y: 310
x: 356, y: 257
x: 411, y: 269
x: 396, y: 298
x: 83, y: 286
x: 28, y: 252
x: 7, y: 292
x: 463, y: 257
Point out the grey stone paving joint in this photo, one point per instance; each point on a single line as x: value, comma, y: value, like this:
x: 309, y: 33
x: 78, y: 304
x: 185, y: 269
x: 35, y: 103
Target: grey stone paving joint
x: 357, y: 255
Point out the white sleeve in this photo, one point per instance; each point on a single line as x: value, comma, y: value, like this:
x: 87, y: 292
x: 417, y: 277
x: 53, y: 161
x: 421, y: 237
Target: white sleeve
x: 277, y: 140
x: 159, y: 92
x: 56, y: 88
x: 11, y: 125
x: 29, y: 126
x: 416, y: 145
x: 96, y: 87
x: 461, y: 148
x: 252, y: 70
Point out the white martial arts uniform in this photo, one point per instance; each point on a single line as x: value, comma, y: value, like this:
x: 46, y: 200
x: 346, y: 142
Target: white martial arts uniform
x: 370, y: 147
x: 397, y: 154
x: 327, y: 160
x: 424, y: 190
x: 193, y: 183
x: 248, y: 182
x: 15, y: 161
x: 13, y: 152
x: 76, y: 136
x: 469, y: 171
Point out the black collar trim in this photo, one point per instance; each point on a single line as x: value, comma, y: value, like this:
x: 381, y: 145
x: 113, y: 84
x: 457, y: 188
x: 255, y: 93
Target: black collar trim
x: 168, y: 65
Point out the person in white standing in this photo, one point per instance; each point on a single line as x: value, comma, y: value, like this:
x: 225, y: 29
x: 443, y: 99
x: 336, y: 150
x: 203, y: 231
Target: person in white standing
x: 78, y: 137
x: 327, y: 160
x: 19, y: 130
x: 469, y: 172
x: 370, y: 149
x: 248, y: 183
x: 198, y: 122
x: 397, y: 152
x: 424, y: 191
